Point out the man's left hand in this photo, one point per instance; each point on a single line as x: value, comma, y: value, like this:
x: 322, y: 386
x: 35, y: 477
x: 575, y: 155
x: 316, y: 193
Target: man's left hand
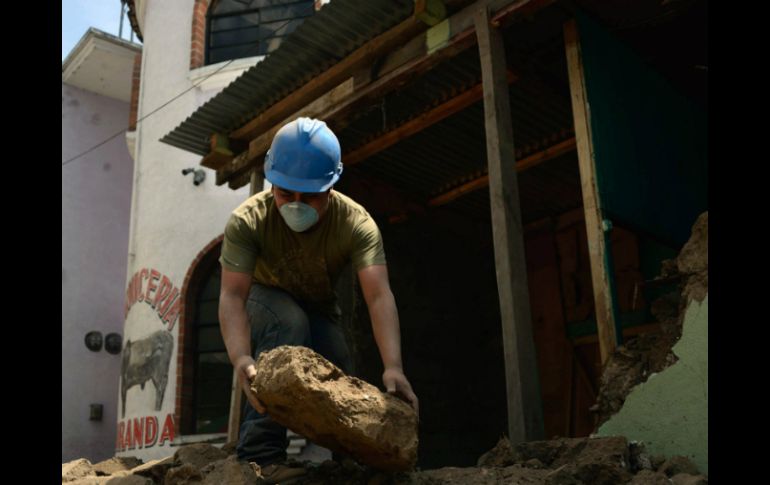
x: 396, y: 384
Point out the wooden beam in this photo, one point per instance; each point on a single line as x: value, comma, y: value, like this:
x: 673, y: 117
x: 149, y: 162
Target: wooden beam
x: 330, y: 78
x: 627, y: 332
x: 525, y: 412
x: 419, y: 123
x: 399, y: 68
x: 458, y: 103
x: 521, y: 165
x: 257, y: 181
x: 234, y: 420
x: 605, y: 320
x: 224, y: 173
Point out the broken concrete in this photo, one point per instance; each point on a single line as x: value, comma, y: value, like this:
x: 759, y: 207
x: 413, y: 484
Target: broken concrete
x: 131, y: 480
x: 198, y: 455
x: 116, y: 464
x: 183, y: 475
x: 687, y: 479
x: 155, y: 469
x: 677, y: 465
x: 669, y: 412
x: 649, y: 477
x: 693, y: 262
x: 562, y: 461
x: 501, y: 455
x: 649, y: 354
x: 229, y: 471
x: 76, y: 470
x: 311, y: 396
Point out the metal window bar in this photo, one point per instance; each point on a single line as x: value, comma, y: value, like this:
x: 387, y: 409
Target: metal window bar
x: 261, y: 43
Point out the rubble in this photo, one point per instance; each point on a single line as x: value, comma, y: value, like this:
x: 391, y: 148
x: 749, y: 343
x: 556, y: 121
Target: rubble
x: 561, y: 461
x: 648, y: 354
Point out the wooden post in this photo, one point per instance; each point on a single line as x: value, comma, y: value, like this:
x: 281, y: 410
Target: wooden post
x: 257, y: 181
x: 597, y: 251
x: 525, y: 413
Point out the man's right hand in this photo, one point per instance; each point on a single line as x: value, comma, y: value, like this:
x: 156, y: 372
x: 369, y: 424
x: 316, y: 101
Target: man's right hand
x: 246, y: 373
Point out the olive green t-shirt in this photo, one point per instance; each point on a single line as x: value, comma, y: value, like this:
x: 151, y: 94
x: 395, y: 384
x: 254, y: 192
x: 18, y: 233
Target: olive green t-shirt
x: 307, y: 265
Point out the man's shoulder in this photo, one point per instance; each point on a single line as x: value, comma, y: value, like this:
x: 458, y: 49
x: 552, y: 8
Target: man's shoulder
x: 349, y: 208
x: 255, y: 207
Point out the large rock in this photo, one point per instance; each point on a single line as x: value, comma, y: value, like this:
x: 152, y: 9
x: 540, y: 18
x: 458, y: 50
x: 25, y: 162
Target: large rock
x: 311, y: 396
x: 679, y: 464
x: 130, y: 480
x: 229, y: 471
x: 198, y: 455
x: 693, y: 261
x: 116, y: 464
x: 501, y: 455
x: 76, y: 470
x: 183, y: 475
x: 155, y: 469
x: 649, y: 477
x: 694, y: 256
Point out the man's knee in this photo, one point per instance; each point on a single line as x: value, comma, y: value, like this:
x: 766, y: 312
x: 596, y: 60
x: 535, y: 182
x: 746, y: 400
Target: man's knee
x: 277, y: 318
x: 294, y: 324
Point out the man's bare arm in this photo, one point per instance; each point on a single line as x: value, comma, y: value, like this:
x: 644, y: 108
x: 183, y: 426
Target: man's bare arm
x: 384, y: 315
x: 236, y: 333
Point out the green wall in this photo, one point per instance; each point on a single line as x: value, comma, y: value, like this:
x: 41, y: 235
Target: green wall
x: 669, y: 412
x: 650, y: 141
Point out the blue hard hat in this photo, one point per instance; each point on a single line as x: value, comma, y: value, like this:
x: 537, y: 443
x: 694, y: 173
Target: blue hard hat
x: 305, y: 156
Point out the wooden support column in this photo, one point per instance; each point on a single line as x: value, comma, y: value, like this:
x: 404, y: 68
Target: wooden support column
x: 597, y: 250
x: 525, y: 413
x: 257, y: 181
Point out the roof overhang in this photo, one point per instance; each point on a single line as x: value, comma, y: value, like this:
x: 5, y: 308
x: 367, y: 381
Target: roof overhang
x: 101, y: 63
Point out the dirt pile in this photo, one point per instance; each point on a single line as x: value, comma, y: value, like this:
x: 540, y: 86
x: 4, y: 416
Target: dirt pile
x: 566, y: 461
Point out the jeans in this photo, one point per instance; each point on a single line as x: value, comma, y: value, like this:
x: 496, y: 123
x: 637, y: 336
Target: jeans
x: 276, y: 319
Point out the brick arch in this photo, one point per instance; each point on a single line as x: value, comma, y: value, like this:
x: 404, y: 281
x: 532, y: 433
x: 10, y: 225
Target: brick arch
x: 198, y: 41
x: 198, y: 271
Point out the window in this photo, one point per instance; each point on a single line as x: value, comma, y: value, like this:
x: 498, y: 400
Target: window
x: 246, y: 28
x: 213, y: 371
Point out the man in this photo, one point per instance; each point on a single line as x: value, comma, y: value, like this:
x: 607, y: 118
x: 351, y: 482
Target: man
x: 282, y: 254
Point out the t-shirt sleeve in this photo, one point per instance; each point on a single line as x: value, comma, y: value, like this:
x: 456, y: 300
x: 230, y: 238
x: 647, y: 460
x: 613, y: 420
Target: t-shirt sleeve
x: 367, y: 245
x: 240, y: 247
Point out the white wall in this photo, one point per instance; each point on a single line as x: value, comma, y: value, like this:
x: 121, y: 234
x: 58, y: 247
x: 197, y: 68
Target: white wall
x: 96, y: 196
x: 172, y: 220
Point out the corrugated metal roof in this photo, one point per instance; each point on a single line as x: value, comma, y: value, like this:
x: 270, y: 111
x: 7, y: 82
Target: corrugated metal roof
x: 453, y: 151
x: 320, y: 42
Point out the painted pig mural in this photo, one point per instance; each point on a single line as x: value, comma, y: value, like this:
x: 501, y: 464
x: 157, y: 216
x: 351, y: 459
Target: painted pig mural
x: 146, y: 360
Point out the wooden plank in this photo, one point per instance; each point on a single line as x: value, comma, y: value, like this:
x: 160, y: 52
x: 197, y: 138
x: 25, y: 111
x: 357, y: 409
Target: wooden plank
x: 241, y: 179
x: 259, y: 146
x: 216, y: 159
x: 591, y: 204
x: 419, y: 123
x: 397, y: 69
x: 234, y: 421
x: 322, y: 83
x: 458, y: 103
x: 627, y: 332
x: 224, y: 173
x: 525, y: 413
x: 521, y: 165
x: 257, y: 181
